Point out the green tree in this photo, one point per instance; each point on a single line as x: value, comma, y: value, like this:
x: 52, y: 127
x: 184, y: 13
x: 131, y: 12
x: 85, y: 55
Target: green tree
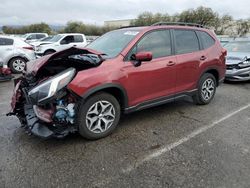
x: 201, y: 15
x: 242, y: 27
x: 222, y: 24
x: 148, y: 18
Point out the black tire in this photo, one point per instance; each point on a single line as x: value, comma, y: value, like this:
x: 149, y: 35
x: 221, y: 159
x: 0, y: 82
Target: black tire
x: 16, y: 63
x: 47, y: 52
x: 83, y: 111
x: 199, y: 98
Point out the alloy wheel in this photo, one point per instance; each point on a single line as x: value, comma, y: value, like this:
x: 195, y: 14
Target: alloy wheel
x: 100, y: 116
x: 208, y: 88
x: 18, y: 65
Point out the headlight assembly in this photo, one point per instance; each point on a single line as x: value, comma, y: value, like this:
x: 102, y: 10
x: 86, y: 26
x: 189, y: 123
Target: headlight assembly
x: 50, y: 87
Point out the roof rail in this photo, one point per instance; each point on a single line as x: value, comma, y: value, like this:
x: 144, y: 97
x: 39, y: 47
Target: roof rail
x: 178, y: 23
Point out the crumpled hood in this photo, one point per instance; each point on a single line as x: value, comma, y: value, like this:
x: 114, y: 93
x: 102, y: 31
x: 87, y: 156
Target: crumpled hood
x: 35, y: 65
x: 236, y: 57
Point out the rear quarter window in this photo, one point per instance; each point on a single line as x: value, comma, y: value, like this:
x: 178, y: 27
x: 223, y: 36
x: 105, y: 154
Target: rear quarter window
x: 206, y: 40
x: 186, y: 41
x: 6, y: 42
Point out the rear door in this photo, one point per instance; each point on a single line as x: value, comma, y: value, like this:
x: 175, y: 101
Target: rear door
x: 189, y: 56
x: 156, y: 78
x: 6, y: 49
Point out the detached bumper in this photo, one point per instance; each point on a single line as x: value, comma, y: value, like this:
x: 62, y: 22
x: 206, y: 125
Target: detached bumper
x: 34, y: 125
x: 238, y: 74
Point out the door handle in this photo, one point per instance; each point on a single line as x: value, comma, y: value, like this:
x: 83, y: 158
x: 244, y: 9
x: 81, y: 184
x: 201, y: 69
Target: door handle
x: 203, y: 58
x: 170, y: 63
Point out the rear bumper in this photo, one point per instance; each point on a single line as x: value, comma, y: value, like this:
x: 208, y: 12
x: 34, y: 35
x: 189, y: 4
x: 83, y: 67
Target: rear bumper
x: 238, y: 74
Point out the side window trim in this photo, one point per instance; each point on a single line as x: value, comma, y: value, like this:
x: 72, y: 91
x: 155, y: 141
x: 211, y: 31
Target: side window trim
x: 126, y: 58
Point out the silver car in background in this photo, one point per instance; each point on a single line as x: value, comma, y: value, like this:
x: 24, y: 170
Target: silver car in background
x: 238, y: 61
x: 15, y: 53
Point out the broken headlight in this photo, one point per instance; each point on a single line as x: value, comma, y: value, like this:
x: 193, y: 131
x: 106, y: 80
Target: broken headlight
x: 50, y: 87
x: 244, y: 64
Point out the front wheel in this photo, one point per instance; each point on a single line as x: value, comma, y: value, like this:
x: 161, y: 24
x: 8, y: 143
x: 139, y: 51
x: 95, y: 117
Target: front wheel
x: 98, y: 116
x: 206, y: 89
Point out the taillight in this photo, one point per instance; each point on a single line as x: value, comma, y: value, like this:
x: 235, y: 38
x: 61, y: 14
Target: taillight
x: 28, y: 48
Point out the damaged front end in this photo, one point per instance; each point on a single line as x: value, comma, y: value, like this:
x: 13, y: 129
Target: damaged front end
x: 41, y: 99
x: 238, y: 69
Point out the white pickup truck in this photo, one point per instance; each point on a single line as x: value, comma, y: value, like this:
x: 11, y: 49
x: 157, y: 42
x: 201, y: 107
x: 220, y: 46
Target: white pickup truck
x: 61, y: 42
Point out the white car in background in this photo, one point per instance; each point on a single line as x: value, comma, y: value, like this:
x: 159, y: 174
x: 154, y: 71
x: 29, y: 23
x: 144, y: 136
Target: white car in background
x: 61, y: 42
x: 14, y: 53
x: 32, y: 37
x: 45, y: 40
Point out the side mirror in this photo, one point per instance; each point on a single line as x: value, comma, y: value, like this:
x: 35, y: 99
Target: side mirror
x: 141, y: 56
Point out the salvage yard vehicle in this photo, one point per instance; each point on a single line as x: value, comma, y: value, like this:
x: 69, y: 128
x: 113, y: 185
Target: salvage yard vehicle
x: 15, y: 53
x: 61, y: 42
x: 32, y: 37
x: 86, y: 90
x: 238, y: 61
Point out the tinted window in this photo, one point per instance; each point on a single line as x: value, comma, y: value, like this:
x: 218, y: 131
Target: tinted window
x: 186, y: 41
x: 67, y: 39
x: 39, y: 36
x: 206, y: 39
x: 5, y: 41
x: 157, y: 42
x: 78, y: 38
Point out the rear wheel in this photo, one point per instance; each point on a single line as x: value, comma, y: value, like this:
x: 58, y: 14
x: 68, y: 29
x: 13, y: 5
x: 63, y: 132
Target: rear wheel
x: 17, y: 64
x: 98, y: 116
x: 206, y: 89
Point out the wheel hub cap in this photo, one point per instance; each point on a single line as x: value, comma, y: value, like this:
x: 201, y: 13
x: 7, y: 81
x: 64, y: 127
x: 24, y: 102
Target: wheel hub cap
x: 207, y: 90
x: 100, y: 116
x: 19, y: 65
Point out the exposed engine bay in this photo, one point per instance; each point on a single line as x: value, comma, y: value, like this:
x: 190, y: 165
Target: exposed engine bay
x: 41, y: 100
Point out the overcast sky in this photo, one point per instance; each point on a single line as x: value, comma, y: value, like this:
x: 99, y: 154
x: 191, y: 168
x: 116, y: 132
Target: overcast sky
x: 58, y: 12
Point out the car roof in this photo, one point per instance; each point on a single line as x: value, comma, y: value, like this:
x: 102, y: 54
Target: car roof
x: 70, y: 34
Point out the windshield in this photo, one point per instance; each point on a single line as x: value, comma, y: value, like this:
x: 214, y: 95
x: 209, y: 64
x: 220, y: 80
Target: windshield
x: 114, y: 42
x: 238, y: 46
x: 56, y: 38
x: 24, y: 36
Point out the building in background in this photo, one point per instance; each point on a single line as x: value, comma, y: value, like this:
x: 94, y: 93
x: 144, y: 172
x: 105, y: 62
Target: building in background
x: 118, y: 23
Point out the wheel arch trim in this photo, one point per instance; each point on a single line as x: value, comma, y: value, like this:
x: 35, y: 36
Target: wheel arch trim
x: 106, y: 86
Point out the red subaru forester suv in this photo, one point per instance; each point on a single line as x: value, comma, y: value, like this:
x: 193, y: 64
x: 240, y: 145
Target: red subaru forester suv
x: 87, y: 90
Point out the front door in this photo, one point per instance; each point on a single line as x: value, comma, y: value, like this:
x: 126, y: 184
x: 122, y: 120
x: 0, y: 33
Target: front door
x: 156, y: 78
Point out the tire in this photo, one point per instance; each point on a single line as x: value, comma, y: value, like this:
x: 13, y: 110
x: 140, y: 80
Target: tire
x: 17, y: 65
x: 90, y: 117
x: 206, y: 89
x: 47, y: 52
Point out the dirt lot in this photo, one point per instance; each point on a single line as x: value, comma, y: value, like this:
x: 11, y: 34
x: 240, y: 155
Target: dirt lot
x: 174, y: 145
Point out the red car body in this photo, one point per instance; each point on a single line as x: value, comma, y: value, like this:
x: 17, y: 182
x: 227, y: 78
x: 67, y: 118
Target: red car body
x: 161, y: 77
x: 138, y: 81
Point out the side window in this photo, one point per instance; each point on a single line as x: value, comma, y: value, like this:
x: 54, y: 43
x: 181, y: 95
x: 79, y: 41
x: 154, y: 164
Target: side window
x: 39, y: 36
x: 78, y: 38
x: 206, y: 39
x: 157, y: 42
x: 186, y: 41
x: 6, y: 42
x: 31, y: 37
x: 67, y: 39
